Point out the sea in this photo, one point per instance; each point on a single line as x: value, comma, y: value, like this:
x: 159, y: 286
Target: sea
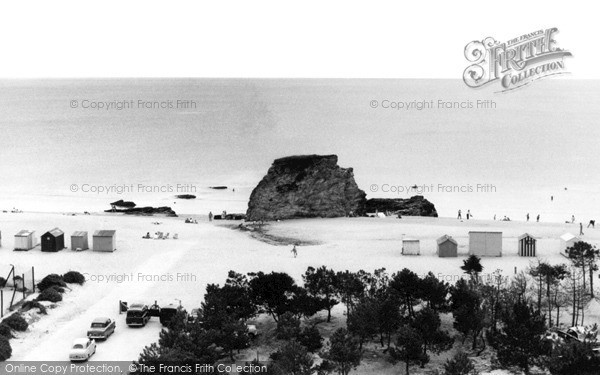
x: 77, y: 145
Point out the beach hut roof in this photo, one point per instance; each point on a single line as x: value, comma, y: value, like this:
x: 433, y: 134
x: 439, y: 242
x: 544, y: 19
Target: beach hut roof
x: 55, y: 232
x: 24, y: 233
x: 526, y: 235
x: 568, y: 237
x: 445, y: 238
x: 408, y: 239
x: 104, y: 233
x: 483, y: 231
x: 79, y: 233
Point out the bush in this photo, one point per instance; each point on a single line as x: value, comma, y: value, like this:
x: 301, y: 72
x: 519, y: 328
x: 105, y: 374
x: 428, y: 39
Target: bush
x: 5, y: 331
x: 51, y: 295
x: 57, y: 289
x: 74, y: 277
x: 460, y: 364
x: 16, y: 322
x: 34, y: 305
x: 5, y: 349
x: 51, y: 280
x: 288, y: 326
x: 311, y: 339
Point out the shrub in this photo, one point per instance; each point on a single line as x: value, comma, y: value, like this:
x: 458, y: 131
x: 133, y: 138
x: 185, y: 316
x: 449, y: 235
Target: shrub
x: 50, y: 294
x: 5, y: 349
x: 288, y: 326
x: 51, y: 280
x: 5, y: 331
x: 74, y: 277
x: 311, y: 339
x: 460, y: 364
x: 16, y: 322
x: 57, y: 289
x: 34, y: 305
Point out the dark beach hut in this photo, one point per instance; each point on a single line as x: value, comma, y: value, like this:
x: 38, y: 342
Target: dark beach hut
x: 447, y: 247
x: 53, y: 240
x: 79, y: 241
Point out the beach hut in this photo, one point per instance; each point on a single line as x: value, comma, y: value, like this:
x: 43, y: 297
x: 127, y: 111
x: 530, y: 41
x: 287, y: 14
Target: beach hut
x: 105, y: 240
x: 53, y: 240
x: 25, y: 240
x: 568, y: 240
x: 485, y: 244
x: 527, y: 244
x: 411, y: 246
x: 447, y: 247
x: 79, y: 241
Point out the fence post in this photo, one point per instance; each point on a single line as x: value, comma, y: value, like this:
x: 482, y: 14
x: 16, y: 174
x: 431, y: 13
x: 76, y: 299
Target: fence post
x: 24, y: 295
x: 33, y: 279
x: 2, y: 303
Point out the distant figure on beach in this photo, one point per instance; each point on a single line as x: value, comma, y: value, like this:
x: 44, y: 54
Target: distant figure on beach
x: 459, y: 215
x: 572, y: 219
x: 494, y: 217
x: 580, y: 228
x: 537, y: 219
x: 592, y: 223
x: 210, y: 216
x: 528, y: 216
x: 469, y: 214
x: 295, y: 251
x: 552, y: 198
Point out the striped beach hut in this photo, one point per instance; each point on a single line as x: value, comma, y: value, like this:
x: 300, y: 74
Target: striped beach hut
x: 447, y: 247
x: 411, y: 246
x: 105, y: 240
x: 53, y: 240
x: 79, y: 241
x: 527, y: 245
x: 485, y: 244
x: 25, y: 240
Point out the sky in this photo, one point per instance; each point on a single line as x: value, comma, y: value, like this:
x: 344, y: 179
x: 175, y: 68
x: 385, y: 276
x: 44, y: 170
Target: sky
x: 334, y: 39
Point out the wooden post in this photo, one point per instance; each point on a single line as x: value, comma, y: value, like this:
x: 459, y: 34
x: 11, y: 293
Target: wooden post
x: 2, y: 303
x: 33, y: 279
x: 24, y: 295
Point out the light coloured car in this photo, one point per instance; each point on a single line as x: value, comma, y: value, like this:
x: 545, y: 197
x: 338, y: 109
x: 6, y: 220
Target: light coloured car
x: 82, y: 349
x: 101, y: 328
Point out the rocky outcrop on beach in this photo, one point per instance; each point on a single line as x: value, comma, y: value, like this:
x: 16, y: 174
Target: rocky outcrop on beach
x: 306, y: 186
x: 146, y: 211
x: 413, y: 206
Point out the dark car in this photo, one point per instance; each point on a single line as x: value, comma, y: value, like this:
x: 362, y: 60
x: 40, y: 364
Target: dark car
x: 168, y: 312
x: 137, y: 315
x: 101, y: 328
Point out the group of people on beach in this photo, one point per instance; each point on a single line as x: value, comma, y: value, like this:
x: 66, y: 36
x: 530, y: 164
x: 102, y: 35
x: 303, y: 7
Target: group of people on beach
x: 189, y: 220
x: 469, y: 215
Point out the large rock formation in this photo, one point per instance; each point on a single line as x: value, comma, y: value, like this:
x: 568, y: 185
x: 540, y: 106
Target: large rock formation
x: 413, y: 206
x: 306, y: 186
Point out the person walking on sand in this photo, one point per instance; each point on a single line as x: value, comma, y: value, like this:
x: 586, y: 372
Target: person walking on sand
x: 295, y: 251
x: 552, y: 198
x: 537, y: 219
x: 528, y: 216
x: 572, y: 219
x: 459, y: 215
x: 580, y: 228
x: 469, y: 214
x: 210, y: 216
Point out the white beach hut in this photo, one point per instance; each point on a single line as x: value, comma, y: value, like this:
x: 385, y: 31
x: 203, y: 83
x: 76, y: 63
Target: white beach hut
x: 105, y: 240
x: 25, y: 240
x: 411, y: 246
x: 568, y: 240
x: 485, y: 244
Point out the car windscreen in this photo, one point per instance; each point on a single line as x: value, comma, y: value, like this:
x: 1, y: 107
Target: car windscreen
x: 98, y: 325
x: 77, y: 346
x: 134, y: 313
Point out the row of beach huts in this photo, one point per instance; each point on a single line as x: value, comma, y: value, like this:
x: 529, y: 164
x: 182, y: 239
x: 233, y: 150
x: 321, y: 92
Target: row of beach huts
x: 54, y: 240
x: 483, y: 244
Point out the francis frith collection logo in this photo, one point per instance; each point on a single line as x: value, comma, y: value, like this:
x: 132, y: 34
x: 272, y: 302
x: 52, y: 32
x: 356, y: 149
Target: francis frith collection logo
x: 514, y: 63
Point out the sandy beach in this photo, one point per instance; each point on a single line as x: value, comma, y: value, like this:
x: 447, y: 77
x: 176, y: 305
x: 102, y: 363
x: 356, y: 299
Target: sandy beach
x: 170, y: 271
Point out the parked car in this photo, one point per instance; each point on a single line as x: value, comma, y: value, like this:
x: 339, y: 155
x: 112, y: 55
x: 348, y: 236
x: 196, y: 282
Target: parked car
x: 82, y: 349
x: 168, y: 312
x: 101, y: 328
x: 137, y: 315
x: 193, y: 316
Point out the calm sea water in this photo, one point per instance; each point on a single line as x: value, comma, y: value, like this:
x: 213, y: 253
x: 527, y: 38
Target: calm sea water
x: 535, y: 142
